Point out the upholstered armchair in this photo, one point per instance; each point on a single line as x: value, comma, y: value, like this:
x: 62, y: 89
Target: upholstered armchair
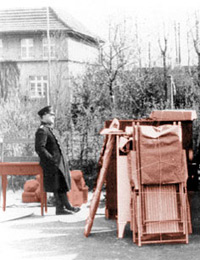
x: 79, y: 191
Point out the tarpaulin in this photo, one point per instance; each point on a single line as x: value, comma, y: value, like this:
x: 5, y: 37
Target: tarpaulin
x: 161, y: 154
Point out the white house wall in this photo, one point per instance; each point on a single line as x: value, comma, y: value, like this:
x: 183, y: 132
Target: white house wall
x: 79, y: 55
x: 81, y: 52
x: 30, y: 69
x: 76, y: 69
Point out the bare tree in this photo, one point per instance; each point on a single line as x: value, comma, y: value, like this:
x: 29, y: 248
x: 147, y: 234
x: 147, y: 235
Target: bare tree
x: 196, y: 42
x: 188, y: 51
x: 164, y: 58
x: 138, y: 45
x: 149, y: 54
x: 115, y: 56
x: 177, y: 43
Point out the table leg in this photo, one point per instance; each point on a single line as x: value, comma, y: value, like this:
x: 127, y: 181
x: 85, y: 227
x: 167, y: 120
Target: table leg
x: 0, y: 188
x: 4, y: 186
x: 45, y: 201
x: 41, y: 194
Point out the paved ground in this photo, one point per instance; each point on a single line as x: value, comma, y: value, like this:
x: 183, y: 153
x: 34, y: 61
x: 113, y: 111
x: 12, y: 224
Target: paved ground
x: 24, y: 234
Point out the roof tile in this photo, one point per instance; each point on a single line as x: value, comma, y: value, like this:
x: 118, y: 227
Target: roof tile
x: 27, y: 20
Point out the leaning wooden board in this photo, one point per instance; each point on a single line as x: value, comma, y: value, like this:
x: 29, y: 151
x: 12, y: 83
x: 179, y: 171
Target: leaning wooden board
x: 102, y: 175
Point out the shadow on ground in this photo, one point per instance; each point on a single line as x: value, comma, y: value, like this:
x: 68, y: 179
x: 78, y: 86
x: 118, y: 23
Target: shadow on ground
x: 62, y: 237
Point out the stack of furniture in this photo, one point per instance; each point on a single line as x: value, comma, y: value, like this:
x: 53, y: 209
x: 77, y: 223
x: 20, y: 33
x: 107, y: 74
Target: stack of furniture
x: 158, y: 173
x: 131, y: 197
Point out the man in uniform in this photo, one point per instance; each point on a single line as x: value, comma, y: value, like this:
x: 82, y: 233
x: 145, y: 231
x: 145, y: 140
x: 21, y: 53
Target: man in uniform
x: 53, y: 162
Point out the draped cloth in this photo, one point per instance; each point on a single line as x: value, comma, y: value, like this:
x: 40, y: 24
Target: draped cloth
x: 161, y: 154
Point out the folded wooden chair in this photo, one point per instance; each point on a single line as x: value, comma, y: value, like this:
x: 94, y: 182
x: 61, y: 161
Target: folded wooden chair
x: 158, y: 175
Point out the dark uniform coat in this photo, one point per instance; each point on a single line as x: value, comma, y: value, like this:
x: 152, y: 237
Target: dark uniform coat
x: 52, y: 160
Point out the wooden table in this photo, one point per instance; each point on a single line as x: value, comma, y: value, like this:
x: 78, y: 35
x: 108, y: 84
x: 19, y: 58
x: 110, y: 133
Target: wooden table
x: 22, y: 168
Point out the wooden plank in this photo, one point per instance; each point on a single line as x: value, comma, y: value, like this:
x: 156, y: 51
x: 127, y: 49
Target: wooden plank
x: 101, y: 179
x: 12, y: 140
x: 21, y: 159
x: 123, y: 192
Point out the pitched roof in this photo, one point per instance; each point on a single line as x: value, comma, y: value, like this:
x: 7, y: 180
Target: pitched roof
x: 31, y: 20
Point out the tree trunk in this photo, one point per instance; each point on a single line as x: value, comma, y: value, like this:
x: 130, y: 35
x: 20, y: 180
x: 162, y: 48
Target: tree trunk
x: 198, y: 69
x: 165, y: 75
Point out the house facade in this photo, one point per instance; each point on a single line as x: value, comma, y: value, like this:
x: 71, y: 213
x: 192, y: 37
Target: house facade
x: 49, y: 48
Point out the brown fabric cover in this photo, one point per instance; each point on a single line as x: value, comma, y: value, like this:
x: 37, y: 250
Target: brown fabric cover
x: 161, y: 154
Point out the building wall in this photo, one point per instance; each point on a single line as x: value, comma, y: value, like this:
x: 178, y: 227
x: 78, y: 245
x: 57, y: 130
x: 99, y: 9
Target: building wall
x: 74, y: 50
x: 12, y: 46
x: 81, y: 56
x: 30, y: 69
x: 74, y: 57
x: 80, y: 52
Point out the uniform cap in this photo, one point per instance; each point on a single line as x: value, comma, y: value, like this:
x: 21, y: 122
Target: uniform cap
x: 46, y: 110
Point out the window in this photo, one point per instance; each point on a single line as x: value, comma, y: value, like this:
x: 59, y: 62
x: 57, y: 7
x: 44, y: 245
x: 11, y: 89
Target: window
x: 26, y: 48
x: 38, y: 86
x: 45, y: 48
x: 1, y: 49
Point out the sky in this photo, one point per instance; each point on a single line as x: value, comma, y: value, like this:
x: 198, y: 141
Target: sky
x: 96, y: 14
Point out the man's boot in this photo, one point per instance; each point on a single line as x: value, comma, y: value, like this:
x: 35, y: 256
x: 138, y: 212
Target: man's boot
x: 67, y: 204
x: 60, y: 206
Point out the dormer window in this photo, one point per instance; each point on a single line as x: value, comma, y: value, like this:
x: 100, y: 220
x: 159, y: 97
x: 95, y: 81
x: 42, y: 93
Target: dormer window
x: 46, y: 49
x: 26, y: 48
